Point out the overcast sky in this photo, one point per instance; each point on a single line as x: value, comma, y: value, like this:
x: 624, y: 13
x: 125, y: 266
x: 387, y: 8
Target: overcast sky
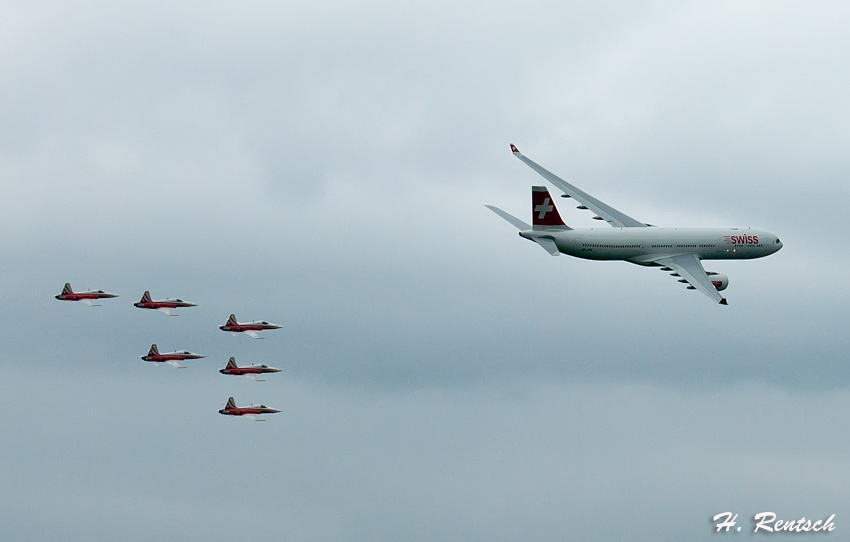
x: 325, y: 167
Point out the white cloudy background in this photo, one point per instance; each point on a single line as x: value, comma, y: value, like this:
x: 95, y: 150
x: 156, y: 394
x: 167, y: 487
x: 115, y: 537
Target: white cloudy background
x: 325, y: 166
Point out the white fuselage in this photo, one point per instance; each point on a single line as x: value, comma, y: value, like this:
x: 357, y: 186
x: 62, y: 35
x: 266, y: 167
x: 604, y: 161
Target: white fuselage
x: 644, y: 245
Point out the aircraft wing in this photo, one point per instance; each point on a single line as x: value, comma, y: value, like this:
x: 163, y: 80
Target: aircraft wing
x: 611, y: 215
x: 173, y: 363
x: 690, y: 267
x: 168, y: 311
x: 254, y: 417
x: 252, y: 334
x: 90, y: 302
x: 255, y: 378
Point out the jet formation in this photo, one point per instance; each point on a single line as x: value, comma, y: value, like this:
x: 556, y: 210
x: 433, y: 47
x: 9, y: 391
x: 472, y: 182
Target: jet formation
x: 679, y: 251
x: 167, y: 306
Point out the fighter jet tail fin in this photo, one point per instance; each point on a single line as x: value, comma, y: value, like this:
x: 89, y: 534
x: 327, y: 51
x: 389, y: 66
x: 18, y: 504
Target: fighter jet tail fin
x: 146, y: 297
x: 544, y: 214
x: 154, y: 350
x: 232, y: 320
x: 230, y: 404
x: 67, y: 289
x: 231, y: 364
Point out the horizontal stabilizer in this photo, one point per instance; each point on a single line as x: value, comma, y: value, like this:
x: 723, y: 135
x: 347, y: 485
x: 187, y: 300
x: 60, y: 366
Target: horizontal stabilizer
x: 519, y: 224
x: 548, y: 245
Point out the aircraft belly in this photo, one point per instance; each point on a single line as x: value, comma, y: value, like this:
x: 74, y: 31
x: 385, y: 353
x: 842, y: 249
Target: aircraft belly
x: 591, y: 251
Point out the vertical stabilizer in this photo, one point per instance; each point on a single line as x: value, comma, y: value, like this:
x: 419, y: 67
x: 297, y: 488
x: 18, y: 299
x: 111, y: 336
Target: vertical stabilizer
x: 67, y: 289
x: 230, y: 404
x: 231, y: 364
x: 154, y: 351
x: 146, y: 297
x: 544, y: 214
x: 232, y: 320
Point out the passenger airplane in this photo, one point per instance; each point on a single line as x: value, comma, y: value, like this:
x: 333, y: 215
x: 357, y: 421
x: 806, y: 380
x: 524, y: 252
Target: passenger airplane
x: 165, y: 305
x: 249, y: 328
x: 170, y: 358
x: 88, y: 297
x: 252, y: 411
x: 679, y: 250
x: 251, y: 371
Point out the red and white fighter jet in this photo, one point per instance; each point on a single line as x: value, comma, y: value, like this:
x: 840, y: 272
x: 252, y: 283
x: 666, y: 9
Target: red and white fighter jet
x: 170, y: 358
x: 252, y: 411
x: 165, y: 305
x: 251, y: 371
x: 249, y: 328
x: 88, y: 297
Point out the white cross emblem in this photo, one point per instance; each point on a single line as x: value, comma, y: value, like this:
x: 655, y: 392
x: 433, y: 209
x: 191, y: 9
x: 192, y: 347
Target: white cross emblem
x: 543, y: 208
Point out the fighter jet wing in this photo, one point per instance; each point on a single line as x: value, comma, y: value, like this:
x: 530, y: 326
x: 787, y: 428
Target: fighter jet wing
x: 252, y: 334
x: 690, y: 267
x: 611, y: 215
x: 255, y: 378
x: 254, y: 417
x: 173, y: 363
x: 90, y: 302
x: 168, y: 311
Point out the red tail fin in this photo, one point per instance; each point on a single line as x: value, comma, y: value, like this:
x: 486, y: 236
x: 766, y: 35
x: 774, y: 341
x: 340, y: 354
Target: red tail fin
x: 145, y: 297
x: 232, y: 320
x: 154, y: 350
x: 67, y: 289
x: 232, y: 363
x: 543, y: 211
x: 230, y: 404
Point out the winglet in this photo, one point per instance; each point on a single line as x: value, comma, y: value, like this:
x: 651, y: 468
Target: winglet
x: 515, y: 150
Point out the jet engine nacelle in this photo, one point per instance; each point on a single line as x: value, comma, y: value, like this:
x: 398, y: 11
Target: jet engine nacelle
x: 719, y: 280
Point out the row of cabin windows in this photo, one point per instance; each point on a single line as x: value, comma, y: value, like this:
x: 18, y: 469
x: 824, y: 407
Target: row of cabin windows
x: 638, y: 246
x: 609, y: 246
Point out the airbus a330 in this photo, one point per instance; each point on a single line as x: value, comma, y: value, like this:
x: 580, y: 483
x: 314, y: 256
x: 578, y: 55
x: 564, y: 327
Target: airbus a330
x: 677, y: 250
